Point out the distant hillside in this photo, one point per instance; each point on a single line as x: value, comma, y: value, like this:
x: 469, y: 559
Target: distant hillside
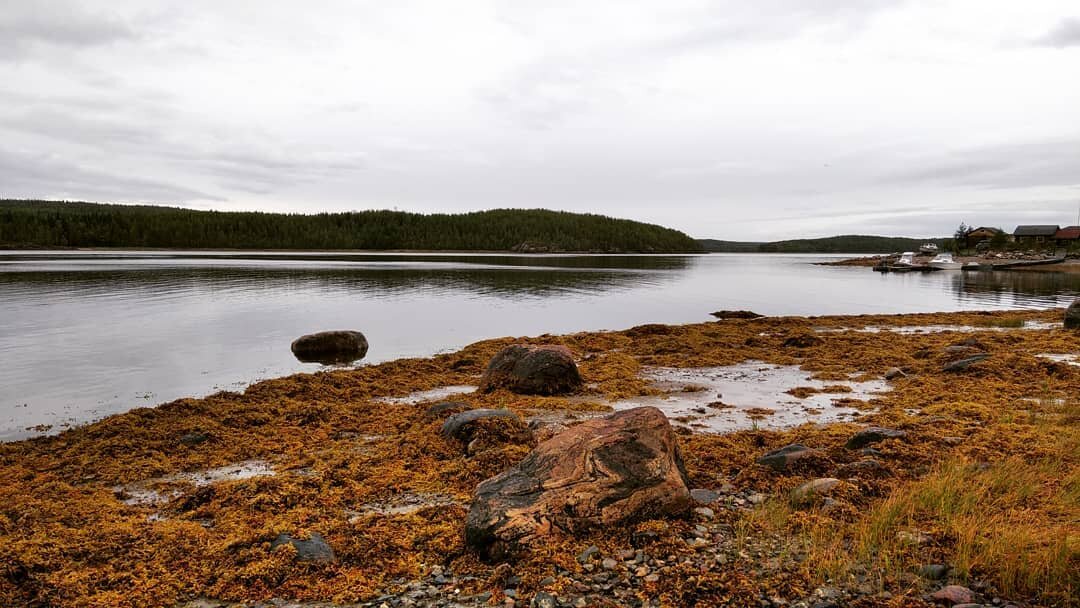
x: 730, y: 246
x: 849, y: 243
x: 43, y: 224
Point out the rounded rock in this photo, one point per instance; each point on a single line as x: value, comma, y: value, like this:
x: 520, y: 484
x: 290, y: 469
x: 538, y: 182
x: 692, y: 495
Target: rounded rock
x: 532, y: 370
x: 338, y: 346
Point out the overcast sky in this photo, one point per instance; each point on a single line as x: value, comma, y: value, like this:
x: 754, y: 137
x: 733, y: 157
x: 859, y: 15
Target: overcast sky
x: 728, y: 119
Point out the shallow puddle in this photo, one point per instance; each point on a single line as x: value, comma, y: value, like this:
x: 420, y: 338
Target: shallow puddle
x: 430, y: 395
x: 151, y: 492
x: 751, y: 394
x: 935, y: 329
x: 1068, y: 358
x: 403, y: 504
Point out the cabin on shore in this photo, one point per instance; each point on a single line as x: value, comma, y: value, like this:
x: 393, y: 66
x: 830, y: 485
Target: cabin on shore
x: 973, y: 237
x: 1068, y: 237
x: 1036, y: 234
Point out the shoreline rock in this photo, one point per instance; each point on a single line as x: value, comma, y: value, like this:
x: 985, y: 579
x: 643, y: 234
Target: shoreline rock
x: 336, y: 346
x: 532, y: 370
x: 603, y: 472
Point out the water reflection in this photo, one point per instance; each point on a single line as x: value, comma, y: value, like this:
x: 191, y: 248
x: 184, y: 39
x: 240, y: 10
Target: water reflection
x: 382, y: 282
x: 1047, y: 288
x: 85, y: 334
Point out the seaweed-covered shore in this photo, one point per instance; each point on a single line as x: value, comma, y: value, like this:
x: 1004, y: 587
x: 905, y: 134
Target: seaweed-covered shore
x: 182, y: 504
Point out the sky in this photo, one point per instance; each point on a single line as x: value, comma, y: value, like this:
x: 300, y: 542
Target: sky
x: 725, y: 119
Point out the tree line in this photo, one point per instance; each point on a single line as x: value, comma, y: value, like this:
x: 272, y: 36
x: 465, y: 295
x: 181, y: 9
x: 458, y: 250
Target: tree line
x: 848, y: 243
x: 57, y: 224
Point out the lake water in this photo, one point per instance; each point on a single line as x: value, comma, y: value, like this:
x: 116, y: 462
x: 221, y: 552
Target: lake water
x: 87, y: 334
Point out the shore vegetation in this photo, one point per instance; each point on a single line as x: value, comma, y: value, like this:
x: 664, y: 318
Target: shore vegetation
x: 52, y: 224
x: 982, y: 487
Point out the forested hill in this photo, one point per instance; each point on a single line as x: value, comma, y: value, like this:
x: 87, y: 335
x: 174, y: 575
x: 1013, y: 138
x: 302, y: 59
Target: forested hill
x: 848, y: 243
x: 43, y: 224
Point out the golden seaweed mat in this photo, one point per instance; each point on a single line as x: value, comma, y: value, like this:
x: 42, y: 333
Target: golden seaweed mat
x: 116, y: 513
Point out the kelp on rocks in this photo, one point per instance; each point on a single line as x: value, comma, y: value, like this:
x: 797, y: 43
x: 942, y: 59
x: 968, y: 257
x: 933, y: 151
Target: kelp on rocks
x: 336, y: 447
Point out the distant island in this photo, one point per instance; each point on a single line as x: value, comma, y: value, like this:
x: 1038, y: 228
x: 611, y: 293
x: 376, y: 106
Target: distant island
x: 848, y: 243
x: 62, y: 224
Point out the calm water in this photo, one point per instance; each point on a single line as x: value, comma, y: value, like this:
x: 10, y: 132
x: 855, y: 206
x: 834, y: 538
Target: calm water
x: 86, y: 334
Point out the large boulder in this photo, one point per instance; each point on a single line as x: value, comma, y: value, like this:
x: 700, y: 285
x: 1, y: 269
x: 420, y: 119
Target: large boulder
x: 532, y: 370
x: 603, y: 472
x: 330, y: 346
x: 1072, y: 315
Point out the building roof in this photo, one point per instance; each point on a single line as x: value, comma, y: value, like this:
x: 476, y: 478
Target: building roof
x: 984, y: 229
x: 1036, y: 230
x: 1068, y: 233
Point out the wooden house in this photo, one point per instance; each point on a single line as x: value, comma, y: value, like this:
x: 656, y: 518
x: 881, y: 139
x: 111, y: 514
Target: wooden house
x: 1069, y: 236
x: 1035, y: 234
x: 977, y: 235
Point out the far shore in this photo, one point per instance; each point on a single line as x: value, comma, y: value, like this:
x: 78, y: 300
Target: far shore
x: 1070, y: 265
x: 339, y: 251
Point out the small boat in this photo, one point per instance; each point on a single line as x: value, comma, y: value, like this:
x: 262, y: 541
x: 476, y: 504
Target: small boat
x: 906, y: 259
x: 928, y: 248
x: 945, y: 261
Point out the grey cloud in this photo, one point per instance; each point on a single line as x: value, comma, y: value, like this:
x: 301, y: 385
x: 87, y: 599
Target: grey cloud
x: 1065, y: 34
x: 260, y: 174
x: 79, y: 128
x: 24, y: 25
x: 144, y: 139
x: 1047, y: 163
x: 769, y: 21
x: 543, y: 94
x: 42, y: 175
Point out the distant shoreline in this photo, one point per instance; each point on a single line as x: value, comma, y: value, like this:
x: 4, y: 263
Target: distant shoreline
x: 1071, y: 265
x: 337, y: 251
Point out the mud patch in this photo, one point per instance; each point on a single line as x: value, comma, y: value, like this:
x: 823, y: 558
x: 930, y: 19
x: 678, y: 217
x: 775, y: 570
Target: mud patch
x: 738, y: 396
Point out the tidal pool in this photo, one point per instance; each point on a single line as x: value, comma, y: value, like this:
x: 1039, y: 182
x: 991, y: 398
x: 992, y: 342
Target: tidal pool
x: 752, y: 394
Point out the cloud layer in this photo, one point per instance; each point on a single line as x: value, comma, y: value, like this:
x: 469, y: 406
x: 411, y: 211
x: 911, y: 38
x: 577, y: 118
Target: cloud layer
x: 728, y: 119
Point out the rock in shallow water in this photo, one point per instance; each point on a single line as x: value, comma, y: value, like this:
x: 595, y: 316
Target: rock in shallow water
x: 532, y: 370
x: 337, y: 346
x: 605, y: 471
x: 736, y: 314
